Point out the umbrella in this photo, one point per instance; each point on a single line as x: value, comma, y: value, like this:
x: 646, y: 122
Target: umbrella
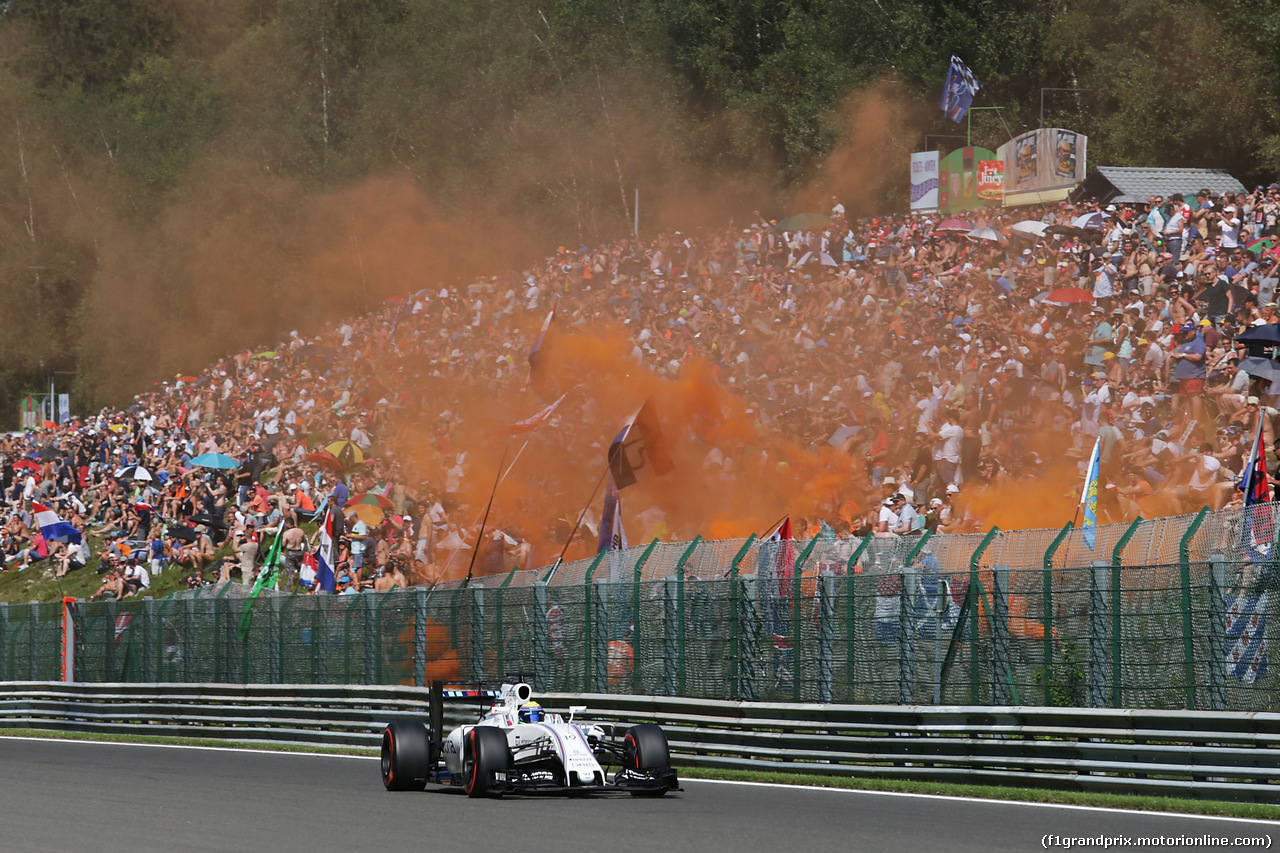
x: 117, y: 427
x: 1089, y: 220
x: 49, y: 425
x: 26, y: 465
x: 214, y: 460
x: 186, y: 534
x: 348, y: 453
x: 1030, y: 226
x: 267, y: 354
x: 817, y: 258
x: 1067, y: 296
x: 186, y: 379
x: 1268, y: 333
x: 134, y: 472
x: 371, y: 499
x: 208, y: 519
x: 325, y: 460
x: 987, y: 234
x: 1260, y: 244
x: 1261, y: 368
x: 367, y: 513
x: 957, y: 226
x: 803, y: 222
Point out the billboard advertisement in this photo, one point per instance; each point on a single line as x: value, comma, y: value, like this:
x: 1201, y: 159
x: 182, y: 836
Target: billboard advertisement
x: 1043, y: 165
x: 924, y: 180
x: 959, y: 180
x: 991, y: 180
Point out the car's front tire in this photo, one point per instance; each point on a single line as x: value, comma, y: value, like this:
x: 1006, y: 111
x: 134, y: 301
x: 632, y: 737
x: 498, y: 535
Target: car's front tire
x: 485, y: 751
x: 645, y: 749
x: 406, y: 756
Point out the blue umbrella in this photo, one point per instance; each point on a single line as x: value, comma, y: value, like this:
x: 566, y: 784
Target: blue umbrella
x: 214, y: 460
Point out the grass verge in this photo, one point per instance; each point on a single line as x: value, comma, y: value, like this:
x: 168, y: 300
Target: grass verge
x: 1215, y: 808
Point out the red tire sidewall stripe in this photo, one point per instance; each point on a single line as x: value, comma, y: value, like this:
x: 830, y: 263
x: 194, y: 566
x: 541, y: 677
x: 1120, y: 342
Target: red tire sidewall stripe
x: 391, y: 764
x: 630, y: 741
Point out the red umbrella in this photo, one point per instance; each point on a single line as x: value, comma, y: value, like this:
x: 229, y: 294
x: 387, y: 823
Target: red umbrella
x: 1067, y: 296
x: 26, y: 465
x: 957, y: 226
x: 325, y: 459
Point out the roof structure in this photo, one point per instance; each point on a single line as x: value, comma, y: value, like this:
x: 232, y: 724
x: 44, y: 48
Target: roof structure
x: 1110, y: 184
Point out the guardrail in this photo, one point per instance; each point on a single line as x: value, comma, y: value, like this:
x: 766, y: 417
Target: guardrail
x: 1226, y: 755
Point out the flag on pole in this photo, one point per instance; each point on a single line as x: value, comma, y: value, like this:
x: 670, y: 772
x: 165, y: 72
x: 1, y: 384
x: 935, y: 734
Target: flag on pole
x: 958, y: 92
x: 535, y: 352
x: 324, y: 556
x: 1089, y: 497
x: 1247, y: 636
x: 53, y: 528
x: 612, y: 536
x: 639, y: 445
x: 1254, y: 482
x: 536, y: 420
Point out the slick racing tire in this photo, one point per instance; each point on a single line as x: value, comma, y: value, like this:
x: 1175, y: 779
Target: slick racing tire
x: 645, y: 748
x: 406, y: 756
x: 484, y: 750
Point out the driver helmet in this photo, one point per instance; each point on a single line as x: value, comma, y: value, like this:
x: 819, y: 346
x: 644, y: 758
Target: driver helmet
x: 530, y: 712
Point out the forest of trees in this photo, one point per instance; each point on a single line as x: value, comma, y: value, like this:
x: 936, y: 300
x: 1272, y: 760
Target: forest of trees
x: 180, y: 178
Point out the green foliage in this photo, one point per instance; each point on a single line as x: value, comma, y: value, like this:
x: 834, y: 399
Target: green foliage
x: 120, y: 117
x: 1065, y: 677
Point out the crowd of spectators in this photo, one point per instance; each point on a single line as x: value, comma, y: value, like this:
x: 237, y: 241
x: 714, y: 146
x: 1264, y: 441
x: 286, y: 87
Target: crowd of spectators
x: 940, y: 359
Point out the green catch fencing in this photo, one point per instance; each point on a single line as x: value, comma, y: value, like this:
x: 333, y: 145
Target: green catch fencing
x: 1165, y: 614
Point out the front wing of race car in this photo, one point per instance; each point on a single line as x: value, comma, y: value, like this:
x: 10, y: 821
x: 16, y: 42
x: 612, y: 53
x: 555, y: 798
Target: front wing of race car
x: 518, y: 780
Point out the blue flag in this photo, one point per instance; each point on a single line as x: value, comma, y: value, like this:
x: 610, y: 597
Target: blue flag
x: 1089, y: 498
x: 957, y: 94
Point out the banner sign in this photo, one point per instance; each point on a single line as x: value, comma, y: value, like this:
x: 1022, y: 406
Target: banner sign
x: 959, y: 180
x: 1043, y: 165
x: 991, y: 180
x: 924, y: 180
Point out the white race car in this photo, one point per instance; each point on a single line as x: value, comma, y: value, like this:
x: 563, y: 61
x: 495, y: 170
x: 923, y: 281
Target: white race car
x: 516, y: 747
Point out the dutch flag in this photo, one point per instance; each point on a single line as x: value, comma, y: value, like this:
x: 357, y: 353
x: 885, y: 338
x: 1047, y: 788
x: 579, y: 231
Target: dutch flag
x: 53, y: 528
x: 324, y: 556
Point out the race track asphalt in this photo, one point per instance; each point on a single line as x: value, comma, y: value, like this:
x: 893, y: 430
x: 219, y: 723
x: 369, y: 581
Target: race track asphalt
x: 71, y: 795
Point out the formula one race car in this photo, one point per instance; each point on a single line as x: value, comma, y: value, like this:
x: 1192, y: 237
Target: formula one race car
x: 516, y: 747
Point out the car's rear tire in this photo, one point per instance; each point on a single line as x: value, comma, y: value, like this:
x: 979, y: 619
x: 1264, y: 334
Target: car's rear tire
x: 645, y: 748
x: 484, y: 751
x: 406, y: 756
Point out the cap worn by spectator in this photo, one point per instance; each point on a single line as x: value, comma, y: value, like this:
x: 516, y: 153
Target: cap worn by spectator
x: 952, y: 489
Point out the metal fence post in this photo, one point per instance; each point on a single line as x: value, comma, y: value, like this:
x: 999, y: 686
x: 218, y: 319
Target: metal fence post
x: 588, y: 622
x: 1098, y: 634
x: 1046, y: 607
x: 230, y: 625
x: 5, y: 646
x: 420, y: 637
x: 477, y: 632
x: 541, y: 641
x: 33, y: 641
x: 1000, y: 635
x: 735, y: 620
x: 681, y: 667
x: 750, y: 640
x: 973, y: 617
x: 826, y: 636
x: 906, y: 647
x: 1217, y: 630
x: 150, y: 630
x: 1188, y: 646
x: 275, y: 640
x: 638, y: 626
x: 797, y: 623
x: 670, y: 665
x: 189, y: 640
x: 109, y: 643
x: 600, y: 641
x: 1117, y: 607
x: 851, y: 623
x: 368, y: 616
